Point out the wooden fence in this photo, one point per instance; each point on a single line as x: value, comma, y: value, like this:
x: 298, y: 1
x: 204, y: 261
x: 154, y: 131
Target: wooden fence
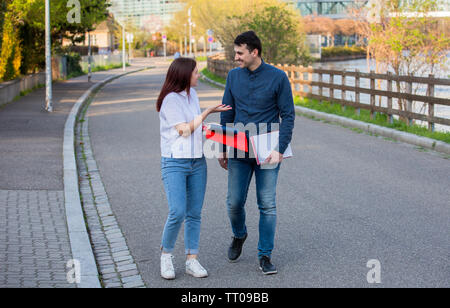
x: 219, y: 66
x: 397, y: 101
x: 403, y: 94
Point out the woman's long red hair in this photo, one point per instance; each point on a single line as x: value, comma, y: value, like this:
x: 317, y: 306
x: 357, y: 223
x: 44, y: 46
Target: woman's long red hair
x: 178, y: 79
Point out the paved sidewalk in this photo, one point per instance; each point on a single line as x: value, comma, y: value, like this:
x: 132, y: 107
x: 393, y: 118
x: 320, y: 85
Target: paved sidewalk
x: 34, y: 242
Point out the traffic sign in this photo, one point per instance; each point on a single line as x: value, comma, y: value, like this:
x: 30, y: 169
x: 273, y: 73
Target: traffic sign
x: 210, y: 39
x: 210, y: 32
x: 130, y: 37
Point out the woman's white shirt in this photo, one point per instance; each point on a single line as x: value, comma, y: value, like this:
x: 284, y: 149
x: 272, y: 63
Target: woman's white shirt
x: 180, y: 108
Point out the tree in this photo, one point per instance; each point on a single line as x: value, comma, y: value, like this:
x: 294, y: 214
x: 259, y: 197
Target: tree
x: 229, y: 18
x: 23, y: 29
x: 280, y: 32
x: 346, y: 27
x: 224, y: 17
x: 321, y: 25
x: 3, y: 7
x: 402, y: 37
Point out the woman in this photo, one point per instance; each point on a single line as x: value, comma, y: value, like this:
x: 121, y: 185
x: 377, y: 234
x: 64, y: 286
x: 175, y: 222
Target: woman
x: 183, y: 166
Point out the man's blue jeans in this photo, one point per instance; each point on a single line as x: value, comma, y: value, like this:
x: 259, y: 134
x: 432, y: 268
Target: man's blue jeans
x: 185, y: 186
x: 240, y: 172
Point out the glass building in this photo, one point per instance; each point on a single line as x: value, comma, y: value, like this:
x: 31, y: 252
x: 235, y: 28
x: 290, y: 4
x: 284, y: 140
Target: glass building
x: 329, y: 8
x: 152, y: 15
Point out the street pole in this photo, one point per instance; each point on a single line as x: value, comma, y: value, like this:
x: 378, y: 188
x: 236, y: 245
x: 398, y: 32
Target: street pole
x: 165, y: 50
x: 48, y: 60
x: 123, y: 47
x: 129, y: 48
x: 185, y: 40
x: 89, y: 57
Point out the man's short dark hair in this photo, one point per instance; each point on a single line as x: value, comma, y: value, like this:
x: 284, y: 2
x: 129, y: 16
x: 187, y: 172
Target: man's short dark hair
x: 251, y: 40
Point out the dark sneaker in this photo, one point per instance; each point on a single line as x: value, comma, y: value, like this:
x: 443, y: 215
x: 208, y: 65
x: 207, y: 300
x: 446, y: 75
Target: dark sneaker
x: 234, y: 252
x: 266, y: 266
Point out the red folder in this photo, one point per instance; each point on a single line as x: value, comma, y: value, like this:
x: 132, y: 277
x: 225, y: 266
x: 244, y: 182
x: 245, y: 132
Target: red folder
x: 235, y: 139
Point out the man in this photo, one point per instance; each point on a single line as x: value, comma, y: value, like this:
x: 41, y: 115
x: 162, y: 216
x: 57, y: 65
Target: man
x: 259, y: 94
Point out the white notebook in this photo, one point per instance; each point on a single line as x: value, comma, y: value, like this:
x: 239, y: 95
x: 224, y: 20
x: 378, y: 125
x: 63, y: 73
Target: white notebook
x: 264, y: 144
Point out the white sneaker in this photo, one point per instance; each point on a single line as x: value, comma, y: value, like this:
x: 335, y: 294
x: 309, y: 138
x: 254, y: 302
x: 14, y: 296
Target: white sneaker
x: 167, y: 269
x: 194, y: 268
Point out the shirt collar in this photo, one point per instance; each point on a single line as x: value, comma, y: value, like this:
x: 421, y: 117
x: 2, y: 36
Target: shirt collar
x: 183, y: 93
x: 259, y: 69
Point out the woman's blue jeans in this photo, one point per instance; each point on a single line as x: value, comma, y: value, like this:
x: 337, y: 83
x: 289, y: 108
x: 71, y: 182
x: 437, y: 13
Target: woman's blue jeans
x: 185, y: 185
x: 240, y: 172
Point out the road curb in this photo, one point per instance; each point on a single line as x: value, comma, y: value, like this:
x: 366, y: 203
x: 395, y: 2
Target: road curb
x: 78, y: 235
x: 211, y: 81
x: 424, y: 142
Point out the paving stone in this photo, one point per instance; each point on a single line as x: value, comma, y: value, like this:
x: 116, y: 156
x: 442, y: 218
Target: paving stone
x: 134, y: 284
x: 35, y: 239
x: 109, y: 245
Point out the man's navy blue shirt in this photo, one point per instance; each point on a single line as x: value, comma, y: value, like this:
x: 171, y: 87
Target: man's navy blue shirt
x: 260, y: 96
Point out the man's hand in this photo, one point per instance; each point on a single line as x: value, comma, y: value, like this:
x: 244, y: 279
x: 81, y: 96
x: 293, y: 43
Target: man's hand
x: 274, y: 158
x: 223, y: 160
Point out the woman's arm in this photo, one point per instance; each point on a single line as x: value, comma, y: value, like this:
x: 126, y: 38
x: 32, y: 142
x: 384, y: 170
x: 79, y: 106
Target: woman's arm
x: 186, y: 129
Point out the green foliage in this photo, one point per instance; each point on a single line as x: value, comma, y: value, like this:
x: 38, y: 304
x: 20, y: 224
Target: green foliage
x: 3, y: 6
x: 11, y: 56
x: 281, y: 37
x: 408, y: 44
x: 22, y: 25
x: 73, y: 64
x: 213, y: 77
x: 33, y: 50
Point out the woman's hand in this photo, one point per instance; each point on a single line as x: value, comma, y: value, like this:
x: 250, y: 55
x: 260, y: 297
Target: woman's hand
x: 219, y: 108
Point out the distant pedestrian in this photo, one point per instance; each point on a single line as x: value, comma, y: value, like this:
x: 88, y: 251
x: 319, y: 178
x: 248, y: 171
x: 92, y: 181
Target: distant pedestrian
x: 258, y: 94
x: 183, y: 165
x: 176, y: 55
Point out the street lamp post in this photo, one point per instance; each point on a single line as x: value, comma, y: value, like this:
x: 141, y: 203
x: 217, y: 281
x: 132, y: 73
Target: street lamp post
x: 190, y: 32
x: 164, y: 39
x: 48, y: 60
x: 89, y: 57
x: 185, y: 40
x: 123, y: 47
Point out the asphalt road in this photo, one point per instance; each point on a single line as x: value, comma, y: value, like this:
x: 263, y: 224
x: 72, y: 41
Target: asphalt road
x: 344, y: 199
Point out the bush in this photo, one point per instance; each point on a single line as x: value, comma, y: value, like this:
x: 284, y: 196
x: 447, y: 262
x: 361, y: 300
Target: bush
x: 328, y: 52
x: 73, y: 64
x: 11, y: 53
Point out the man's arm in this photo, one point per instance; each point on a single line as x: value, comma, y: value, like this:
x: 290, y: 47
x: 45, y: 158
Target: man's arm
x: 225, y: 118
x: 228, y: 100
x: 285, y: 103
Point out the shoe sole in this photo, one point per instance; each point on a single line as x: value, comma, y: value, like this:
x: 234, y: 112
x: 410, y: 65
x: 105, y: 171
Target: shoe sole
x: 195, y: 275
x: 234, y: 261
x: 269, y: 273
x: 168, y: 278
